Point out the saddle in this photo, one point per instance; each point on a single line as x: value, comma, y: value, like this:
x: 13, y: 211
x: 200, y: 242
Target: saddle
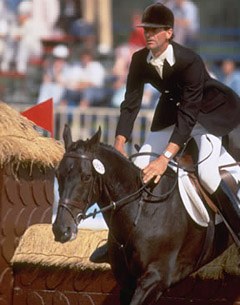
x: 196, y: 199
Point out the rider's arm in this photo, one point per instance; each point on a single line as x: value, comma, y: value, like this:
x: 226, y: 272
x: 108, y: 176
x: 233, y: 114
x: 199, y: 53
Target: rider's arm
x: 119, y: 144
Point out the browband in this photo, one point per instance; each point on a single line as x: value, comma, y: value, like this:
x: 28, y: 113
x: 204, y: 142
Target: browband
x: 76, y: 155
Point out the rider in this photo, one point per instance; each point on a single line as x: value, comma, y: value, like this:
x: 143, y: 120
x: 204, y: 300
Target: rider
x: 192, y: 104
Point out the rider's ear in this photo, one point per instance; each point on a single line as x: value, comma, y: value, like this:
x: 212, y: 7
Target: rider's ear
x: 67, y: 136
x: 95, y: 140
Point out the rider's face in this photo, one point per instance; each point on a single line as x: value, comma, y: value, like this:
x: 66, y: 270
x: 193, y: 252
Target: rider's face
x: 157, y: 39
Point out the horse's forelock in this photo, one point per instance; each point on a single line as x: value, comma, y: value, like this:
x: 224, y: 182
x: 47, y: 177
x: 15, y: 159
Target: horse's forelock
x: 79, y: 146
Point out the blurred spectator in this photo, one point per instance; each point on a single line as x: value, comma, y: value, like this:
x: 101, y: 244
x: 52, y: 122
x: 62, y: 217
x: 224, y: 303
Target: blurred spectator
x: 70, y: 11
x: 72, y: 23
x: 85, y: 82
x: 29, y: 37
x: 231, y: 75
x: 187, y: 24
x: 23, y: 40
x: 45, y: 16
x: 136, y: 37
x: 8, y: 21
x: 55, y: 75
x: 35, y: 21
x: 84, y: 32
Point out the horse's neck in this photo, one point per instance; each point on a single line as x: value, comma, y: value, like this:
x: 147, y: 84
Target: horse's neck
x: 122, y: 178
x: 119, y: 163
x: 122, y: 184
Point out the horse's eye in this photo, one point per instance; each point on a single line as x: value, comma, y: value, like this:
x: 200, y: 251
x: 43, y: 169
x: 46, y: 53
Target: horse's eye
x: 86, y: 178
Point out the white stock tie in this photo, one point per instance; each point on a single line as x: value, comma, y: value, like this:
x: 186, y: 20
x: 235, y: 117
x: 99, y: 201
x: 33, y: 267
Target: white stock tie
x: 158, y: 64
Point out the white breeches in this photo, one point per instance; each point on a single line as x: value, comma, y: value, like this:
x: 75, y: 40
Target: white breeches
x: 209, y: 146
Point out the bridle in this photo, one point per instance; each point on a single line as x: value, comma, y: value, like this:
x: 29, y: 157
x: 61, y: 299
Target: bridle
x: 67, y: 207
x: 76, y: 218
x: 113, y: 204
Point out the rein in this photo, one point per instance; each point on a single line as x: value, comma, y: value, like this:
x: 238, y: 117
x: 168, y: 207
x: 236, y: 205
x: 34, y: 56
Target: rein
x: 114, y: 204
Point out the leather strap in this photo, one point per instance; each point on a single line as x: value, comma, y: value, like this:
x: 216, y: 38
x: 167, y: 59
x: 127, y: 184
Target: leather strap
x: 210, y: 230
x: 202, y: 193
x: 231, y: 182
x: 234, y: 187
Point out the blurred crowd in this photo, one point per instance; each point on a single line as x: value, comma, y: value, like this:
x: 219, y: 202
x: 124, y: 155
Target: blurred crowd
x: 23, y: 29
x: 77, y: 77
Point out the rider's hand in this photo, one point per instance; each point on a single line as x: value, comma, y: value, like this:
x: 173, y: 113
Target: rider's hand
x: 119, y: 144
x: 155, y: 169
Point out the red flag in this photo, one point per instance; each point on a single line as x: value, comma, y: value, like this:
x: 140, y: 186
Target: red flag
x: 41, y: 115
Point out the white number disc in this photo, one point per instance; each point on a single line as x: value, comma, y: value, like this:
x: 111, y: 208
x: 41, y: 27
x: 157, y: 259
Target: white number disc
x: 98, y: 166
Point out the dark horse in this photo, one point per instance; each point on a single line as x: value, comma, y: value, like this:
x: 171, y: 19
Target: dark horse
x: 152, y: 241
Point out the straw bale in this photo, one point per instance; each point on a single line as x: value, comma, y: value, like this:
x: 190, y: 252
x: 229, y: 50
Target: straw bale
x: 37, y: 246
x: 227, y: 263
x: 21, y: 143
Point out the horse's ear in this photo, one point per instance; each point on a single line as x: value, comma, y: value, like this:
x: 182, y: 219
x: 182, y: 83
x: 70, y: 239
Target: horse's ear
x: 67, y: 136
x: 95, y: 140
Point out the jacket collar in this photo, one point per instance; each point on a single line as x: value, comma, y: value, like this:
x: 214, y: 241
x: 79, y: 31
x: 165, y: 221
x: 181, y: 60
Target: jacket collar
x: 167, y: 55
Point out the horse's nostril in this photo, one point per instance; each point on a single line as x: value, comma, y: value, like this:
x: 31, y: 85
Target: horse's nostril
x: 62, y: 234
x: 67, y: 233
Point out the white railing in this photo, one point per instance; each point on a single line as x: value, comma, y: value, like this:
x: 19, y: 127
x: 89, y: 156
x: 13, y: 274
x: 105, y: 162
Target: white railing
x: 85, y: 122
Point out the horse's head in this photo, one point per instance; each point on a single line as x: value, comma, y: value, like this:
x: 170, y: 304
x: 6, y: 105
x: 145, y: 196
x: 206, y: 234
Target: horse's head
x: 78, y: 175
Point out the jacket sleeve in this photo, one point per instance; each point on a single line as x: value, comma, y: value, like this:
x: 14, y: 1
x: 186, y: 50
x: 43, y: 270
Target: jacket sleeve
x: 192, y: 84
x: 133, y: 98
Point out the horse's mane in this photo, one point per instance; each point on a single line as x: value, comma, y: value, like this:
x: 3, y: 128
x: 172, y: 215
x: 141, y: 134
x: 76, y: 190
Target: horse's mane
x: 115, y: 151
x: 81, y: 144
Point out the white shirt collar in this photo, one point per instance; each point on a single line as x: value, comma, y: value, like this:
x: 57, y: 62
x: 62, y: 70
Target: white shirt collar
x: 167, y: 54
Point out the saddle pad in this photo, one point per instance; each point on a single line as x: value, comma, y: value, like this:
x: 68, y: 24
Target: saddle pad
x: 191, y: 200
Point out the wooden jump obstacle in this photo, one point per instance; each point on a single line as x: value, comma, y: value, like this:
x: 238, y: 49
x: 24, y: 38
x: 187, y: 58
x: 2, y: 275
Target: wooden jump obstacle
x: 27, y: 163
x: 50, y: 273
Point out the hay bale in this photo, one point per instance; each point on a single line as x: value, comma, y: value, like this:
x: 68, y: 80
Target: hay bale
x: 21, y: 143
x: 37, y: 246
x: 227, y: 263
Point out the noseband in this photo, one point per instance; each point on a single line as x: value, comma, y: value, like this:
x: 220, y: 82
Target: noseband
x: 76, y: 218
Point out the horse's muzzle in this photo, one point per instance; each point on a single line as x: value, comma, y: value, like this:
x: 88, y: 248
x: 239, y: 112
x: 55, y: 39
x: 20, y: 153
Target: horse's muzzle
x: 63, y: 234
